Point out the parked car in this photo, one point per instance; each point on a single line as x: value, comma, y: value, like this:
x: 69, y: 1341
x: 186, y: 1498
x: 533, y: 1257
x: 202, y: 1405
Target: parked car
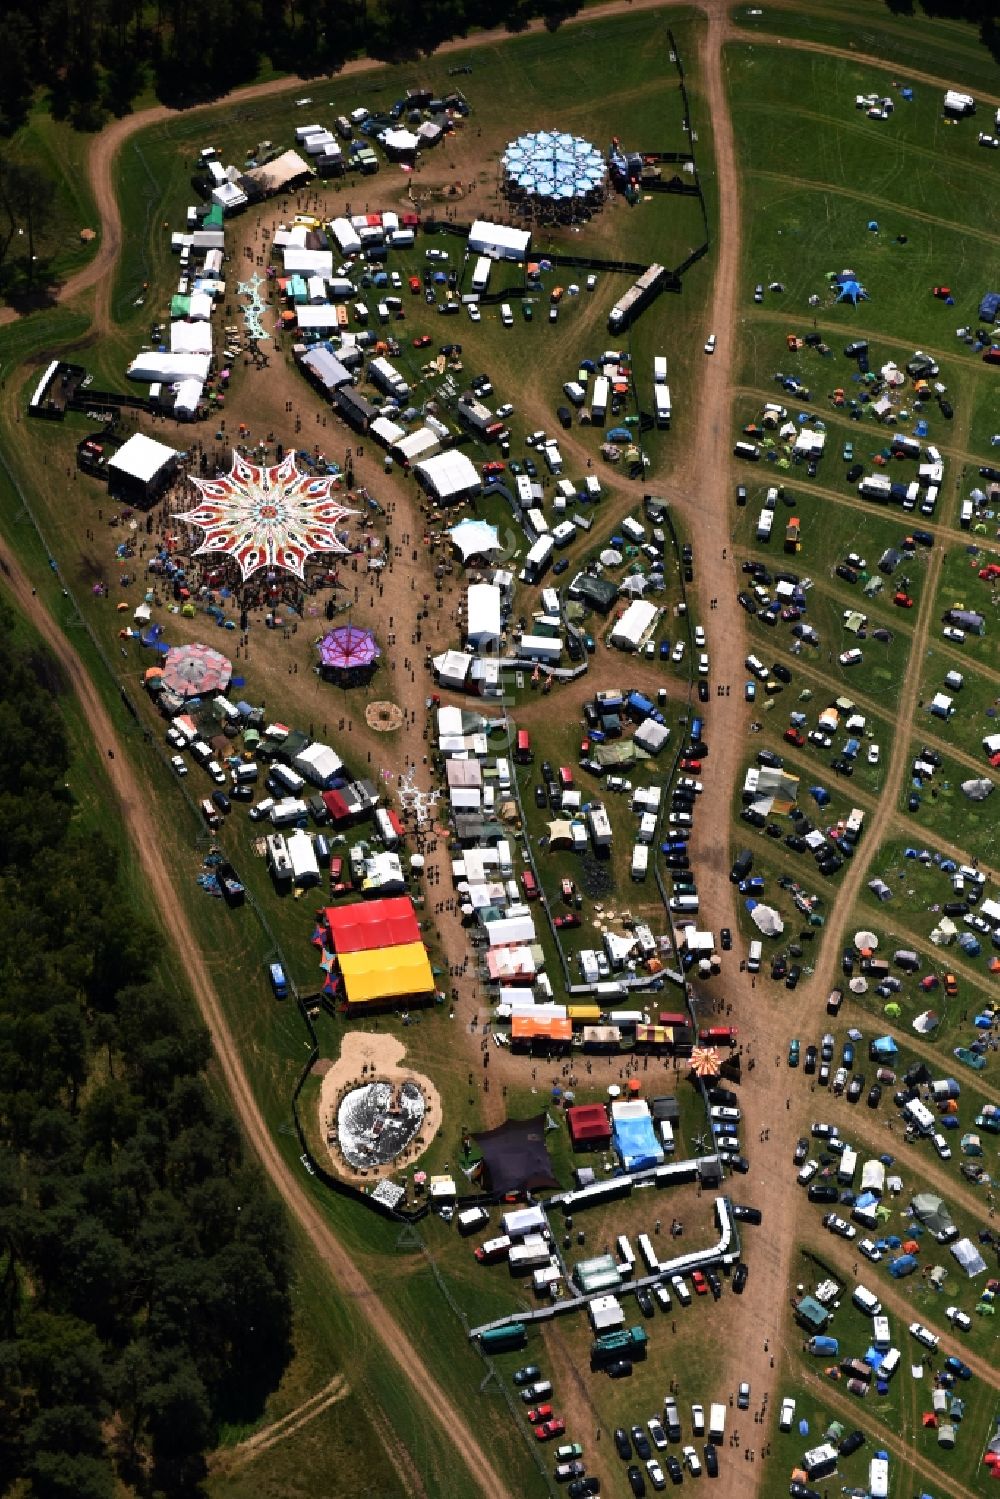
x: 743, y: 1396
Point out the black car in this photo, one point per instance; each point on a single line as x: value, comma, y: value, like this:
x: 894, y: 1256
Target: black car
x: 540, y: 798
x: 636, y: 1481
x: 645, y: 1301
x: 781, y: 672
x: 620, y: 1369
x: 702, y: 690
x: 674, y: 1469
x: 714, y: 1284
x: 711, y: 1460
x: 801, y: 1150
x: 561, y: 565
x: 531, y: 468
x: 851, y: 1443
x: 622, y: 1444
x: 855, y: 1087
x: 795, y: 843
x: 747, y: 1215
x: 583, y: 1488
x: 773, y: 831
x: 640, y: 1442
x: 847, y: 961
x: 809, y: 1064
x: 740, y: 1278
x: 821, y: 1192
x: 874, y: 1095
x: 854, y: 472
x: 793, y: 976
x: 726, y: 938
x: 741, y: 494
x: 736, y: 1162
x: 770, y: 759
x: 724, y: 1096
x: 834, y: 1000
x: 746, y: 602
x: 778, y: 967
x: 847, y: 573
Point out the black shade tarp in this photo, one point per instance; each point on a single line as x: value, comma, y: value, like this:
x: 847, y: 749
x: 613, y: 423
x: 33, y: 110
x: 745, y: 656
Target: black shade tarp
x: 516, y: 1156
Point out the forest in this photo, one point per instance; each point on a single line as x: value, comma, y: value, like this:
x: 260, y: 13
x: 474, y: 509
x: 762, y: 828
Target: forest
x: 144, y: 1269
x: 94, y: 57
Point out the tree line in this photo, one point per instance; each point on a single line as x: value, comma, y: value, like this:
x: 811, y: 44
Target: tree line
x: 144, y: 1270
x: 94, y: 57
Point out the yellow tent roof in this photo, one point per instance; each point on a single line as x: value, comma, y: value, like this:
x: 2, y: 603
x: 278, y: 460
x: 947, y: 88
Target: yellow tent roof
x: 386, y: 973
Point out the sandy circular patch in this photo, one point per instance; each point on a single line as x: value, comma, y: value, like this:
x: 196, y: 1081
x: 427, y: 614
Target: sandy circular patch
x: 383, y: 716
x: 368, y: 1057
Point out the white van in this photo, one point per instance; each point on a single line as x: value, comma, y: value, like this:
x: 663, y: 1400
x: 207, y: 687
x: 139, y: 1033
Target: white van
x: 880, y: 1333
x: 506, y: 315
x: 890, y: 1363
x: 878, y: 1478
x: 866, y: 1301
x: 754, y: 956
x: 471, y: 1219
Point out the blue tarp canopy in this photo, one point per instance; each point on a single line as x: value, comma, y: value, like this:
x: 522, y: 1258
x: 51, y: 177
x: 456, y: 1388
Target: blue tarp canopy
x: 850, y: 290
x: 636, y: 1143
x: 884, y: 1046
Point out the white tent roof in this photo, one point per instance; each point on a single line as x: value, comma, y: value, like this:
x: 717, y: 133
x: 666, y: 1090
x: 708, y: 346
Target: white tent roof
x: 142, y: 457
x: 190, y: 338
x: 318, y: 761
x: 968, y: 1257
x: 423, y: 440
x: 651, y: 736
x: 510, y: 930
x: 200, y: 303
x: 449, y: 474
x: 474, y: 537
x: 276, y: 174
x: 387, y: 432
x: 399, y: 140
x: 499, y: 239
x: 318, y: 316
x: 187, y: 397
x: 308, y: 262
x: 484, y: 613
x: 633, y: 625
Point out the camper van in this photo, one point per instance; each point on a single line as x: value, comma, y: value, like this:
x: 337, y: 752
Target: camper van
x: 506, y: 315
x: 481, y: 274
x: 471, y: 1219
x: 866, y: 1301
x: 754, y: 956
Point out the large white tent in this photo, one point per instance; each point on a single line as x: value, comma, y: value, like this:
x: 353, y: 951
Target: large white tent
x: 634, y: 625
x: 143, y: 459
x: 449, y: 476
x: 498, y: 240
x: 484, y: 615
x: 190, y: 338
x: 152, y: 366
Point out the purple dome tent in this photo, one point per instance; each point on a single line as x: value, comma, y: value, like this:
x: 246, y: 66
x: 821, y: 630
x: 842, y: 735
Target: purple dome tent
x: 348, y: 654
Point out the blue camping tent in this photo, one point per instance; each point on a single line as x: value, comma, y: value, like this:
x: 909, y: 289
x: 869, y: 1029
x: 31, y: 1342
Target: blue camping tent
x: 849, y: 288
x: 884, y: 1046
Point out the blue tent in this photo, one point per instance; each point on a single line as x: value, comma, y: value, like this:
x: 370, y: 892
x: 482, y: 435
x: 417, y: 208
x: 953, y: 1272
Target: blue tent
x: 850, y: 290
x: 819, y: 796
x: 884, y: 1046
x: 905, y: 1264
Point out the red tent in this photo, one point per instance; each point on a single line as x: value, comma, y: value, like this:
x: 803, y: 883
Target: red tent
x: 588, y: 1126
x: 366, y: 925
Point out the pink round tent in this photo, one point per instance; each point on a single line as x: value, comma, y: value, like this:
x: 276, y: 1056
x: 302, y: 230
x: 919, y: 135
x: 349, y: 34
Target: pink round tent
x: 196, y: 671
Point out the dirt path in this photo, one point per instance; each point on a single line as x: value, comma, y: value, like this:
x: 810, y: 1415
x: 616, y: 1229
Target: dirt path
x: 342, y: 1267
x: 850, y: 54
x: 269, y: 1436
x: 842, y: 913
x: 847, y: 1409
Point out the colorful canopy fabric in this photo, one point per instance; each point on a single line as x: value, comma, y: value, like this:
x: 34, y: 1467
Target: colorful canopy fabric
x: 196, y: 671
x: 347, y: 647
x: 365, y: 926
x: 265, y: 517
x: 390, y: 973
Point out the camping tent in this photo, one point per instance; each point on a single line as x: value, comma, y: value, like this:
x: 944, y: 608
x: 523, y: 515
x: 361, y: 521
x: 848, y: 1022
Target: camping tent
x: 968, y: 1257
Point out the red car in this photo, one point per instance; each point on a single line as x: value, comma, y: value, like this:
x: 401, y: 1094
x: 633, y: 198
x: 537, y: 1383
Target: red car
x: 796, y: 737
x: 693, y: 765
x: 415, y: 285
x: 989, y: 572
x: 571, y: 919
x: 539, y: 1414
x: 550, y: 1429
x: 494, y: 466
x: 902, y: 600
x: 422, y: 341
x: 700, y: 1283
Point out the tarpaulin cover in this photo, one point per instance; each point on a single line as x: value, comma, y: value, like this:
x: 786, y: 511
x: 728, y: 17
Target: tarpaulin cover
x: 516, y: 1157
x: 635, y: 1137
x: 367, y: 925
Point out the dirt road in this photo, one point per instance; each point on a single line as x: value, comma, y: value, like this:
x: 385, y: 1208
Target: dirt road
x: 342, y: 1267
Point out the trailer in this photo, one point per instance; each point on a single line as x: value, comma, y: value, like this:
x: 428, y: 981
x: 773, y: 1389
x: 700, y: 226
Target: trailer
x: 624, y: 1343
x: 662, y: 406
x: 717, y: 1424
x: 500, y: 1339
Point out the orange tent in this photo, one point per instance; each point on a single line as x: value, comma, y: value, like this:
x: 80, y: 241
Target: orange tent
x: 537, y: 1028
